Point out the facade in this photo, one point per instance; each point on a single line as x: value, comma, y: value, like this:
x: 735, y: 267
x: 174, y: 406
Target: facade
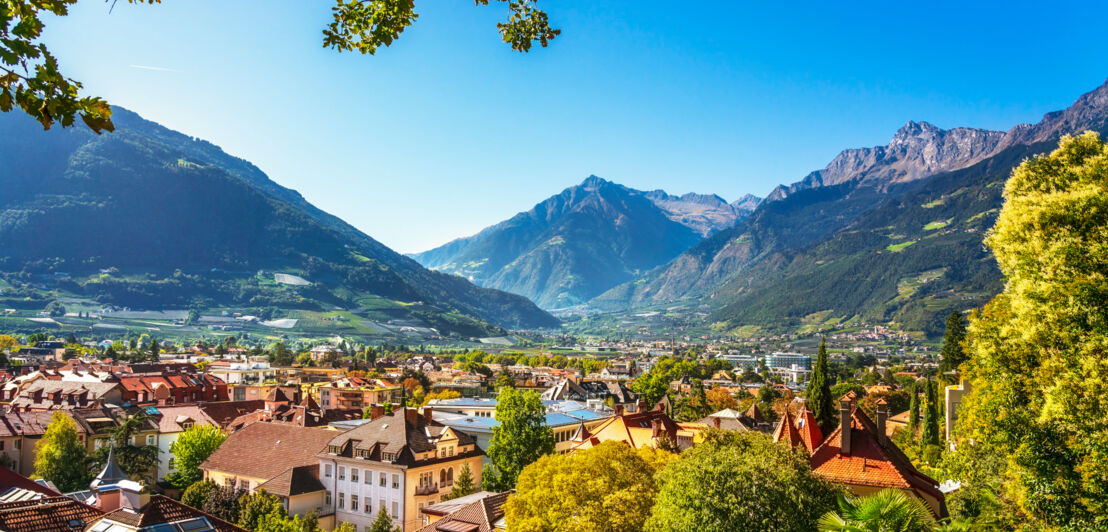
x: 954, y: 394
x: 242, y: 372
x: 356, y: 393
x: 563, y: 417
x: 400, y: 463
x: 645, y: 428
x: 788, y: 360
x: 172, y: 421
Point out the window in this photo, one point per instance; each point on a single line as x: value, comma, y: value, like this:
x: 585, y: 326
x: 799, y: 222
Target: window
x: 368, y: 476
x: 395, y: 510
x: 395, y: 482
x: 149, y: 439
x: 18, y: 444
x: 327, y: 470
x: 1, y: 445
x: 188, y: 424
x: 342, y: 473
x: 246, y: 485
x: 229, y: 482
x: 354, y: 475
x: 342, y: 501
x: 368, y: 506
x: 353, y: 502
x: 327, y: 498
x: 384, y: 480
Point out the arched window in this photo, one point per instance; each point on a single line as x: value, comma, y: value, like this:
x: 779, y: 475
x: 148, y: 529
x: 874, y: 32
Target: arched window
x: 442, y: 476
x: 450, y: 475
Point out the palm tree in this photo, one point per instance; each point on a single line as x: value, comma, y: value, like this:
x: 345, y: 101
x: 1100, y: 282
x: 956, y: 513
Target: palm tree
x: 885, y: 511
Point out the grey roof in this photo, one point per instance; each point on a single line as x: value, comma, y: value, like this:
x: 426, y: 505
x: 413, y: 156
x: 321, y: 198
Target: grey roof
x: 111, y: 474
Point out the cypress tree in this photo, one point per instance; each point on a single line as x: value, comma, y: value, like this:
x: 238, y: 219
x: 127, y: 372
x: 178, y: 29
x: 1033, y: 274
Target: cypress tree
x: 953, y: 354
x: 819, y: 391
x: 931, y: 417
x: 913, y: 409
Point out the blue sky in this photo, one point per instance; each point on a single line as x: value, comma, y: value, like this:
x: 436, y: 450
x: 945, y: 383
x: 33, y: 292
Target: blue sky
x: 449, y: 130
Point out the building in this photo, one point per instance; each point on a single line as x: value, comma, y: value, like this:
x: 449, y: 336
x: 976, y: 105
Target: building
x: 613, y: 392
x: 479, y: 512
x: 232, y: 372
x: 281, y: 408
x: 475, y: 417
x: 788, y: 360
x: 161, y: 514
x: 954, y: 394
x: 859, y: 455
x: 356, y: 393
x: 45, y: 394
x: 399, y: 463
x: 646, y: 428
x: 172, y: 421
x: 51, y: 514
x: 279, y: 458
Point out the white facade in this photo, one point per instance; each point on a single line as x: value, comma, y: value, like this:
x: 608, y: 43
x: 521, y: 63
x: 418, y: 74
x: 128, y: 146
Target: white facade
x: 356, y: 489
x: 244, y: 373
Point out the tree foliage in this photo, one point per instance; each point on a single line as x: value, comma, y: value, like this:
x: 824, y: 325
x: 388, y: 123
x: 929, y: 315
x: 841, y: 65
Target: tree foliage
x: 820, y: 401
x: 885, y: 511
x: 62, y: 458
x: 520, y: 437
x: 954, y: 352
x: 610, y: 487
x: 463, y: 485
x: 136, y: 461
x: 190, y: 449
x: 740, y: 481
x: 1038, y: 361
x: 31, y: 80
x: 930, y: 434
x: 253, y: 507
x: 383, y: 523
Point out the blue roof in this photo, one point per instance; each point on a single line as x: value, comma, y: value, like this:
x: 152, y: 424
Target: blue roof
x: 585, y: 414
x: 153, y: 411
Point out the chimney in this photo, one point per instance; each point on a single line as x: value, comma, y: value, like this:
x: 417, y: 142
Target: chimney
x: 715, y: 422
x: 642, y: 406
x: 411, y: 416
x: 844, y: 415
x: 655, y: 428
x: 882, y: 414
x: 427, y: 411
x: 376, y: 411
x: 618, y: 410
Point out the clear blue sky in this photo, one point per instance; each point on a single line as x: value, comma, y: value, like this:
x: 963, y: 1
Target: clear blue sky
x: 449, y: 130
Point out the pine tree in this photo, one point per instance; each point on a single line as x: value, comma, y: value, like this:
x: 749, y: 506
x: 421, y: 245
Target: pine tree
x: 953, y: 353
x: 154, y: 349
x: 931, y: 417
x: 383, y: 523
x: 819, y: 391
x: 913, y: 409
x: 463, y: 485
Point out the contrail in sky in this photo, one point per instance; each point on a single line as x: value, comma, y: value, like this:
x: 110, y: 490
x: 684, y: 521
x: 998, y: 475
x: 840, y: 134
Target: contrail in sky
x: 159, y: 69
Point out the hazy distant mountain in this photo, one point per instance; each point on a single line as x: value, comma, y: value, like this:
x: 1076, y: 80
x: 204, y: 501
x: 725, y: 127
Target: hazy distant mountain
x: 186, y: 225
x: 890, y: 233
x: 589, y: 238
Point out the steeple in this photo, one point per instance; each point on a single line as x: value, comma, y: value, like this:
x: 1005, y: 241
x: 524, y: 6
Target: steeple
x: 111, y: 474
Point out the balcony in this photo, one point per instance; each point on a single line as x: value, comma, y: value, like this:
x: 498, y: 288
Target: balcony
x: 426, y: 489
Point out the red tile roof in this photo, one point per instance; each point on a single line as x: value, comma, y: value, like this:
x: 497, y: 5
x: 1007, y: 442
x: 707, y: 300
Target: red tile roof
x: 808, y: 428
x: 786, y: 431
x: 478, y: 516
x: 10, y: 479
x: 55, y: 514
x: 162, y: 510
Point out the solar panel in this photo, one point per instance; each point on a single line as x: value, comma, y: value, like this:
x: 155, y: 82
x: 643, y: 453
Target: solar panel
x: 194, y: 525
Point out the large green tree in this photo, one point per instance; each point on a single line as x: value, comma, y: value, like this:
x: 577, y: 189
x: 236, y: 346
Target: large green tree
x: 189, y: 450
x: 913, y: 407
x: 820, y: 401
x: 740, y: 481
x: 31, y: 79
x: 1039, y: 350
x: 610, y: 487
x: 383, y: 523
x: 463, y: 485
x: 954, y: 352
x: 253, y: 507
x: 62, y: 458
x: 520, y: 437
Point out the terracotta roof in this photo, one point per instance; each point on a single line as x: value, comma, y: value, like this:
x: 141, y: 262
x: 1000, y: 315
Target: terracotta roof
x: 870, y: 463
x: 161, y: 510
x: 479, y: 516
x: 808, y: 428
x: 294, y: 481
x: 225, y: 411
x: 786, y: 431
x: 282, y: 447
x: 55, y: 514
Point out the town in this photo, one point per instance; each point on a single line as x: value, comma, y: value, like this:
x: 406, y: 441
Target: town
x: 342, y: 436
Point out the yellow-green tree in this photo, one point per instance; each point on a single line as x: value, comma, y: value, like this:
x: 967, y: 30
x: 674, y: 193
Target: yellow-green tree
x: 1039, y: 350
x: 62, y: 458
x: 610, y: 487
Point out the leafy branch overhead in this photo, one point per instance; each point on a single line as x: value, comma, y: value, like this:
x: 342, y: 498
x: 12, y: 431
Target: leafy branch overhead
x: 31, y: 80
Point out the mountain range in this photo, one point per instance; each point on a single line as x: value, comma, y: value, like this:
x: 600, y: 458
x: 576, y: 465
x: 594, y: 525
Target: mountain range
x: 889, y: 233
x: 148, y: 217
x: 589, y: 238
